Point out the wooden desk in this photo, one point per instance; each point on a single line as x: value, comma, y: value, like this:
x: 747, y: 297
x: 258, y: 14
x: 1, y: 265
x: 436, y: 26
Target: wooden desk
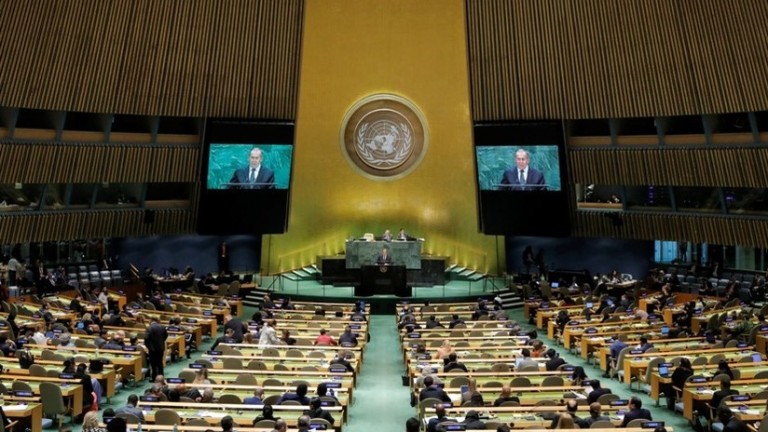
x: 31, y: 413
x: 105, y: 377
x: 241, y: 414
x: 747, y: 370
x: 127, y: 361
x: 636, y: 363
x: 70, y: 388
x: 704, y: 391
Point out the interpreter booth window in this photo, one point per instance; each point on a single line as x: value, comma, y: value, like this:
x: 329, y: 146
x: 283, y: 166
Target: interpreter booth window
x: 82, y: 196
x: 746, y: 201
x: 697, y: 199
x: 594, y: 196
x: 55, y: 195
x: 118, y: 195
x: 20, y: 197
x: 653, y: 198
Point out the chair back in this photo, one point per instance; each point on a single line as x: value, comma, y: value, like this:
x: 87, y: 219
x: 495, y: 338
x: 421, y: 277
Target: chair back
x: 51, y: 397
x: 245, y: 379
x: 602, y: 424
x: 606, y: 399
x: 763, y: 425
x: 22, y: 386
x: 652, y: 366
x: 129, y: 418
x: 37, y: 370
x: 520, y: 381
x: 230, y: 399
x: 232, y: 363
x: 257, y: 365
x: 636, y: 423
x: 500, y: 367
x: 271, y: 399
x: 168, y: 417
x: 553, y: 381
x: 264, y: 424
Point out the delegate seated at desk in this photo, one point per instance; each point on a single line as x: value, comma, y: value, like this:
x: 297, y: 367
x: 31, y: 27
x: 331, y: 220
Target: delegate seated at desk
x: 384, y: 257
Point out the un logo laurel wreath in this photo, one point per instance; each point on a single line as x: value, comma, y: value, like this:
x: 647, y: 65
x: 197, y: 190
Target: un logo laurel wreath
x: 384, y: 136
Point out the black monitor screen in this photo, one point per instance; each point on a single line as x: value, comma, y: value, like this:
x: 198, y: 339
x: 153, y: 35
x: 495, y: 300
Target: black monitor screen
x: 521, y: 176
x: 246, y: 177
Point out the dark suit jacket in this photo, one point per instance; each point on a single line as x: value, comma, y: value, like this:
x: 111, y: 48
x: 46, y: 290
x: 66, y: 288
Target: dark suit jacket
x: 719, y: 395
x: 596, y: 393
x: 434, y: 392
x: 155, y: 338
x: 534, y: 180
x: 384, y: 259
x: 735, y: 425
x: 634, y: 414
x: 266, y: 175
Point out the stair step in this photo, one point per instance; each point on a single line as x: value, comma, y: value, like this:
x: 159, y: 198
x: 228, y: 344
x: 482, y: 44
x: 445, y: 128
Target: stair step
x: 291, y: 276
x: 311, y: 270
x: 467, y: 273
x: 450, y: 267
x: 301, y: 273
x: 458, y: 269
x: 476, y: 277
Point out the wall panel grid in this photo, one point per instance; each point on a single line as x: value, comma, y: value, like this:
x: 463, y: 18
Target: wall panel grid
x: 723, y: 230
x: 95, y: 163
x: 224, y: 58
x: 74, y: 225
x: 535, y: 59
x: 699, y: 166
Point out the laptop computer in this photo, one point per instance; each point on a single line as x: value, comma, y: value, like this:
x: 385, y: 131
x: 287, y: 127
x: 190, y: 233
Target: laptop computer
x: 589, y: 305
x: 663, y: 370
x: 757, y: 357
x: 664, y: 330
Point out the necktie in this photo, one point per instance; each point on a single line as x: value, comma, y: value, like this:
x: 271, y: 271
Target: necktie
x: 252, y: 176
x: 521, y: 180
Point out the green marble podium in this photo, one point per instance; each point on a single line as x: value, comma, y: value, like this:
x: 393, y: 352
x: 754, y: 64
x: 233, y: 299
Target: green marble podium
x: 363, y: 253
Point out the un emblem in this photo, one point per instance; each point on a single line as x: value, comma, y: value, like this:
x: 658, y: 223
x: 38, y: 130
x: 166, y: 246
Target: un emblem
x: 384, y: 136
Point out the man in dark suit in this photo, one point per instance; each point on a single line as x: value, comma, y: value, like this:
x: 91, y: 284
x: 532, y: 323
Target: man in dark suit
x: 384, y: 257
x: 596, y: 392
x: 730, y: 422
x: 432, y: 391
x: 725, y: 390
x: 439, y: 417
x: 636, y: 411
x: 155, y: 343
x: 255, y: 175
x: 222, y: 255
x: 523, y: 177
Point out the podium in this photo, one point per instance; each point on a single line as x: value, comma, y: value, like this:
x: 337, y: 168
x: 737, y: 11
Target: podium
x: 388, y: 279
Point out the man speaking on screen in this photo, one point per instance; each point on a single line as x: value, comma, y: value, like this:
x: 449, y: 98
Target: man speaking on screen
x: 255, y: 175
x: 523, y: 177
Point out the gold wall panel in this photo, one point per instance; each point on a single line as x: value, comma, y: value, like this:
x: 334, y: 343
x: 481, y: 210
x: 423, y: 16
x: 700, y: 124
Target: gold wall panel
x: 352, y: 49
x: 97, y: 163
x: 534, y: 59
x: 714, y: 229
x: 223, y: 58
x: 76, y: 225
x: 697, y: 166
